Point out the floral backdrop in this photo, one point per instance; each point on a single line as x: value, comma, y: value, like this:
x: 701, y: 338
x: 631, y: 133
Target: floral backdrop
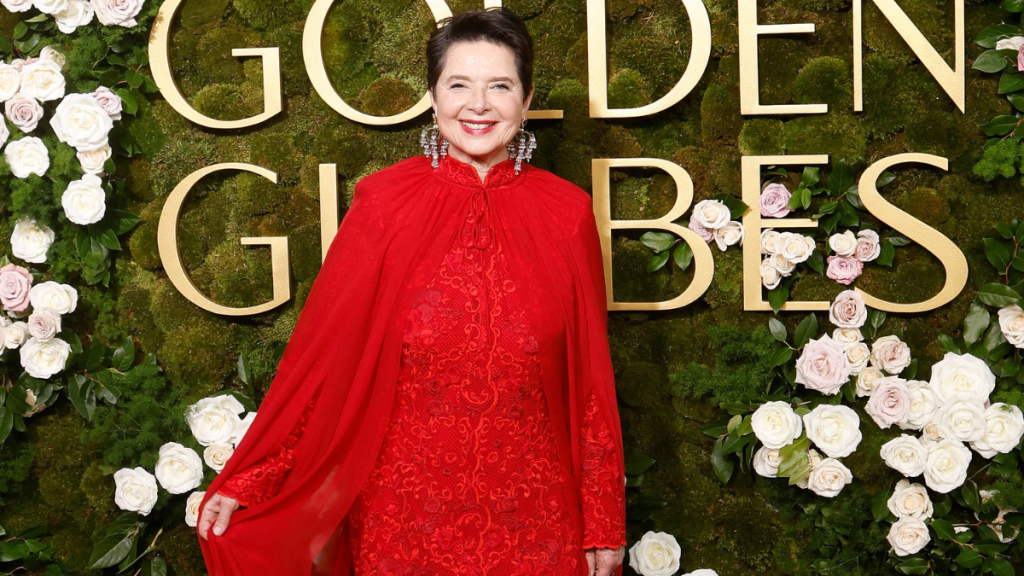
x: 848, y: 442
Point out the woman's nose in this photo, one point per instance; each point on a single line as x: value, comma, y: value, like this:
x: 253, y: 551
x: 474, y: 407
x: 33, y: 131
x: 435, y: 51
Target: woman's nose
x: 478, y: 103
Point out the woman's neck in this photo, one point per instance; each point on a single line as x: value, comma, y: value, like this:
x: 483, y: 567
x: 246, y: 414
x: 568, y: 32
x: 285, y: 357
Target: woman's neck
x: 481, y: 164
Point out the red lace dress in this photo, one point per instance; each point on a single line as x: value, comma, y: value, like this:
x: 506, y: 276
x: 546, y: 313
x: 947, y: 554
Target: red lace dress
x: 468, y: 481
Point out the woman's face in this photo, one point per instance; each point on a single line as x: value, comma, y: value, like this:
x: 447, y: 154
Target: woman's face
x: 479, y: 101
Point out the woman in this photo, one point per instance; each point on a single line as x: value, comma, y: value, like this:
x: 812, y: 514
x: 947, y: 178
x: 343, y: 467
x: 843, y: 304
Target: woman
x: 446, y: 404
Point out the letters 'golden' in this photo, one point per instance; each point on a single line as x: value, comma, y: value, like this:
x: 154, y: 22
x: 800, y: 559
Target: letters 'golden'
x: 160, y: 64
x: 170, y: 255
x: 702, y: 258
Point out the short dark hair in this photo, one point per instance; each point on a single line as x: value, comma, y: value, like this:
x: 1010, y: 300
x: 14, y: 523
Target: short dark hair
x: 497, y: 25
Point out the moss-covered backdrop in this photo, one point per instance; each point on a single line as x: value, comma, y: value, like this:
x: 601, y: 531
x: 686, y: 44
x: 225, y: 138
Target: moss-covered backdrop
x: 672, y: 367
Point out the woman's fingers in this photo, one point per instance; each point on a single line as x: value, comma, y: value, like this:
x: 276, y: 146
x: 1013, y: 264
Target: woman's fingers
x: 608, y: 560
x: 591, y: 562
x: 209, y: 515
x: 224, y: 515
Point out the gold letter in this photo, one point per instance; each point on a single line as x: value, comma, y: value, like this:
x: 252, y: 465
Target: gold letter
x: 750, y: 102
x: 951, y: 81
x: 702, y: 259
x: 328, y: 207
x: 160, y: 63
x: 597, y: 57
x: 752, y: 226
x: 953, y: 260
x: 312, y: 55
x: 170, y: 256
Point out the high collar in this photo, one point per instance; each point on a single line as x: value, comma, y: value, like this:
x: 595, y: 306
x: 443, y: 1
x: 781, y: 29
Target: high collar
x: 501, y: 174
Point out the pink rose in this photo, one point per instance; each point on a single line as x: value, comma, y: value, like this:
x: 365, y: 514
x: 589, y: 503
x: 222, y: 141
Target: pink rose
x: 24, y: 112
x: 823, y: 366
x: 44, y: 323
x: 109, y: 101
x: 15, y: 283
x: 1020, y: 59
x: 844, y: 269
x: 701, y: 231
x: 889, y: 402
x: 773, y: 201
x: 868, y: 247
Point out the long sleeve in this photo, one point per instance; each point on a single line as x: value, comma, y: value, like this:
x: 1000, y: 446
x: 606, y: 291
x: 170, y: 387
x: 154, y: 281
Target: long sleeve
x: 604, y: 490
x: 263, y: 479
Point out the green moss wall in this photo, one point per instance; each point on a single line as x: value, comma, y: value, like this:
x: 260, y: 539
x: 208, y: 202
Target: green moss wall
x: 672, y: 367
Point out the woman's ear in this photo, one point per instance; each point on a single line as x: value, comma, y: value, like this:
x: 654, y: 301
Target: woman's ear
x: 433, y: 104
x: 529, y: 98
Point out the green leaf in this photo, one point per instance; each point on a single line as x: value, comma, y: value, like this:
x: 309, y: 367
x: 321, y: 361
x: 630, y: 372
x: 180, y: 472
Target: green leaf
x: 718, y: 428
x: 948, y: 344
x: 1002, y: 567
x: 990, y: 61
x: 853, y: 197
x: 971, y: 497
x: 778, y: 296
x: 6, y: 422
x: 20, y: 29
x: 899, y: 240
x: 109, y: 240
x: 736, y: 206
x: 683, y: 255
x: 244, y: 370
x: 943, y: 529
x: 998, y: 254
x: 794, y: 202
x: 778, y: 329
x: 975, y: 323
x: 876, y: 318
x: 136, y: 79
x: 807, y: 329
x: 657, y: 262
x: 998, y: 295
x: 811, y: 176
x: 781, y: 356
x: 887, y: 254
x: 884, y: 179
x: 880, y: 505
x: 969, y: 558
x: 111, y: 550
x: 817, y: 262
x: 124, y: 355
x: 722, y: 465
x: 988, y: 37
x: 1010, y: 82
x: 913, y: 566
x: 1013, y: 5
x: 840, y: 179
x: 128, y: 101
x: 637, y: 463
x: 805, y: 198
x: 658, y: 241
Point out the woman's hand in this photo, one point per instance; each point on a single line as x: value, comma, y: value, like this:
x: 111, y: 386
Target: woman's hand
x: 604, y: 561
x: 217, y: 512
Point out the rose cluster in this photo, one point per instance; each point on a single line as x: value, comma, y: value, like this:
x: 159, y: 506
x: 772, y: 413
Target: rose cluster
x: 42, y: 353
x: 849, y: 253
x: 711, y: 220
x: 70, y: 14
x: 782, y: 251
x: 658, y: 554
x: 216, y: 423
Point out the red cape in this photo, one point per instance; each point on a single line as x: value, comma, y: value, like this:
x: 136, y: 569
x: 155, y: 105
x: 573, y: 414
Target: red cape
x: 400, y: 224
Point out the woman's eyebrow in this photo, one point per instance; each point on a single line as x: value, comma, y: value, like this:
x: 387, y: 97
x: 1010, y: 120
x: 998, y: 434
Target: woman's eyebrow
x: 461, y: 77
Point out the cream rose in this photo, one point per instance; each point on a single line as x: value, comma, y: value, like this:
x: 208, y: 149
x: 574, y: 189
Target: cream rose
x: 117, y: 12
x: 844, y: 244
x: 1011, y: 43
x: 135, y: 490
x: 731, y: 234
x: 195, y: 500
x: 960, y: 419
x: 770, y: 242
x: 61, y: 297
x: 828, y: 478
x: 957, y: 373
x: 92, y: 160
x: 858, y: 355
x: 775, y: 424
x: 946, y: 468
x: 30, y: 241
x: 847, y: 335
x: 23, y: 111
x: 178, y: 468
x: 770, y: 277
x: 655, y: 554
x: 910, y: 500
x: 848, y: 310
x: 81, y: 122
x: 51, y: 53
x: 77, y: 13
x: 1004, y: 426
x: 796, y: 248
x: 42, y: 80
x: 215, y: 419
x: 15, y: 335
x: 823, y: 366
x: 834, y: 429
x: 929, y: 434
x: 84, y: 200
x: 779, y: 262
x: 50, y: 6
x: 868, y: 246
x: 44, y: 323
x: 712, y: 214
x: 10, y: 81
x: 906, y: 455
x: 889, y: 403
x: 922, y: 406
x: 767, y: 461
x: 27, y: 156
x: 216, y: 455
x: 889, y: 353
x: 17, y: 5
x: 1011, y: 322
x: 242, y: 428
x: 42, y: 359
x: 908, y: 536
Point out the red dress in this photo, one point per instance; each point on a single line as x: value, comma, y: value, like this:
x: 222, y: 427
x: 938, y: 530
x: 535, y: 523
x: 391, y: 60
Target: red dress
x: 467, y: 480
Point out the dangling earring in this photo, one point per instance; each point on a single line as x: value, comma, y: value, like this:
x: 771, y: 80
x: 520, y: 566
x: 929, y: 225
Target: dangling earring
x: 428, y: 139
x: 524, y: 150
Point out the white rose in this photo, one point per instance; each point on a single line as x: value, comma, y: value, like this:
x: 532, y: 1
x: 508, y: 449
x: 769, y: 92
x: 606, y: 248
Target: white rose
x: 92, y: 160
x: 712, y: 214
x: 81, y: 122
x: 77, y: 13
x: 42, y: 359
x: 957, y: 373
x: 109, y: 101
x: 178, y: 469
x: 242, y: 428
x: 195, y: 499
x: 1011, y: 322
x: 960, y: 419
x: 10, y: 81
x: 905, y: 455
x: 117, y: 12
x: 44, y: 323
x: 730, y: 234
x: 890, y: 354
x: 844, y: 244
x: 135, y: 490
x: 908, y: 536
x: 27, y: 156
x: 858, y: 355
x: 796, y: 248
x: 50, y: 6
x: 922, y: 406
x: 42, y: 80
x: 947, y: 464
x: 214, y: 420
x: 828, y: 478
x: 835, y: 429
x: 15, y: 335
x: 1004, y: 426
x: 847, y: 335
x: 84, y: 200
x: 929, y: 434
x: 770, y: 277
x: 1011, y: 43
x: 767, y: 461
x: 779, y: 262
x: 770, y: 241
x: 702, y: 572
x: 61, y: 297
x: 655, y: 554
x: 848, y: 310
x: 910, y: 500
x: 23, y: 111
x: 4, y: 133
x: 51, y: 53
x: 868, y: 246
x: 17, y: 5
x: 776, y: 424
x: 216, y: 455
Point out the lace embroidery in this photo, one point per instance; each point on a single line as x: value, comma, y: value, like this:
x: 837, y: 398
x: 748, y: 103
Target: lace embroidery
x: 501, y: 174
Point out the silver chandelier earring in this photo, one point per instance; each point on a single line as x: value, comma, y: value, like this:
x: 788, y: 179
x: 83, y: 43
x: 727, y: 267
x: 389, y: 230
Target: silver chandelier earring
x: 524, y: 149
x: 428, y: 139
